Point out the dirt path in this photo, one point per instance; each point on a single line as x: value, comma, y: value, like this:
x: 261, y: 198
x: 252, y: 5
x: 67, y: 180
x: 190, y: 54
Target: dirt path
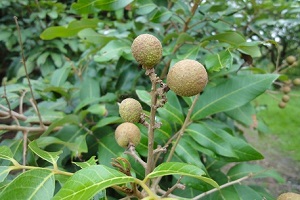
x: 276, y: 159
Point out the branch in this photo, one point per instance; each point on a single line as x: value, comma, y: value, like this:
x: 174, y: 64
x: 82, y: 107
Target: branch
x: 175, y: 186
x: 26, y: 128
x: 131, y: 151
x: 223, y: 186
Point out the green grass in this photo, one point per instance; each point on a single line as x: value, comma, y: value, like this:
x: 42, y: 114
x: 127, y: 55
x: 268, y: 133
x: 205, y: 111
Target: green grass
x: 283, y: 123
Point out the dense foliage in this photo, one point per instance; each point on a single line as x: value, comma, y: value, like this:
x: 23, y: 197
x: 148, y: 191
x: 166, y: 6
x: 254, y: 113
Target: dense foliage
x: 58, y: 119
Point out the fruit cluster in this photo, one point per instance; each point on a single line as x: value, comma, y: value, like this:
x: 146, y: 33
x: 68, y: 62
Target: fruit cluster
x: 286, y: 89
x: 186, y: 78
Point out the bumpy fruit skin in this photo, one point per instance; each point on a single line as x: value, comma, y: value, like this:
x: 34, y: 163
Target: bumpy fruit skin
x: 290, y: 60
x: 187, y: 78
x: 130, y: 110
x: 296, y: 81
x: 282, y: 104
x: 147, y: 50
x: 289, y: 196
x: 286, y: 89
x: 127, y: 133
x: 285, y: 98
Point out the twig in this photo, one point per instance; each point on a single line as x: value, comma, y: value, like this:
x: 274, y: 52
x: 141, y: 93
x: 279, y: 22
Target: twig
x: 131, y: 151
x: 12, y: 113
x: 25, y: 134
x: 26, y: 128
x: 161, y: 191
x: 175, y: 186
x: 26, y: 72
x: 223, y: 186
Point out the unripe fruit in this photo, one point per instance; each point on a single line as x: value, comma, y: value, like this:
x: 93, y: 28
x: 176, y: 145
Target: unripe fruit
x: 130, y: 110
x: 187, y: 78
x: 282, y: 104
x: 147, y: 50
x: 289, y: 196
x: 286, y: 89
x: 290, y: 60
x: 285, y: 98
x: 127, y: 133
x: 296, y: 81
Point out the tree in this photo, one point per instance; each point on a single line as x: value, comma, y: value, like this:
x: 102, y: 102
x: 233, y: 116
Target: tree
x: 62, y: 113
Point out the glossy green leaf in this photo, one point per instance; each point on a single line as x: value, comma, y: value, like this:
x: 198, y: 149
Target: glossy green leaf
x: 108, y: 120
x: 243, y: 114
x: 172, y: 168
x: 4, y: 171
x: 232, y: 93
x: 191, y: 52
x: 89, y: 89
x: 98, y: 109
x: 112, y: 51
x: 161, y: 15
x: 256, y: 171
x: 51, y: 157
x: 34, y: 184
x: 71, y: 30
x: 69, y: 119
x: 92, y: 161
x: 230, y: 37
x: 5, y: 153
x: 144, y: 96
x: 218, y: 61
x: 144, y: 7
x: 47, y: 115
x: 91, y: 36
x: 250, y: 48
x: 87, y: 182
x: 88, y: 6
x: 60, y: 76
x: 222, y: 143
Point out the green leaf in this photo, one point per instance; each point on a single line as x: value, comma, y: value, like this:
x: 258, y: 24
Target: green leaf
x: 230, y: 37
x: 5, y: 153
x: 256, y: 171
x: 89, y: 89
x: 230, y: 148
x: 90, y: 35
x: 92, y: 161
x: 87, y: 182
x: 218, y: 61
x: 88, y: 6
x: 232, y: 93
x: 243, y: 114
x: 144, y: 7
x: 107, y: 120
x: 250, y: 48
x: 98, y: 109
x: 69, y: 119
x: 4, y: 171
x: 60, y: 76
x: 172, y: 168
x: 71, y: 30
x: 51, y: 157
x: 144, y: 96
x: 112, y: 51
x: 161, y: 15
x: 34, y: 184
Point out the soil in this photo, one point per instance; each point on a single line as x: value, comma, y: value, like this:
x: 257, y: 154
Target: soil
x: 277, y: 159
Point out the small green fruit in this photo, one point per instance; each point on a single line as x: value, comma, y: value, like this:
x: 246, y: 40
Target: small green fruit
x: 130, y: 110
x: 285, y: 98
x: 289, y: 196
x: 187, y: 78
x: 127, y: 133
x: 147, y: 50
x: 282, y: 104
x: 290, y: 60
x: 296, y: 81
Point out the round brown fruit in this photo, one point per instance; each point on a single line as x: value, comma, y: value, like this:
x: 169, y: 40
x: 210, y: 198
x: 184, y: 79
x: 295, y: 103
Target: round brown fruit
x: 289, y: 196
x: 187, y: 78
x: 285, y: 98
x: 296, y: 81
x: 127, y: 133
x: 130, y: 110
x: 290, y: 60
x: 282, y: 104
x: 147, y: 50
x: 286, y: 89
